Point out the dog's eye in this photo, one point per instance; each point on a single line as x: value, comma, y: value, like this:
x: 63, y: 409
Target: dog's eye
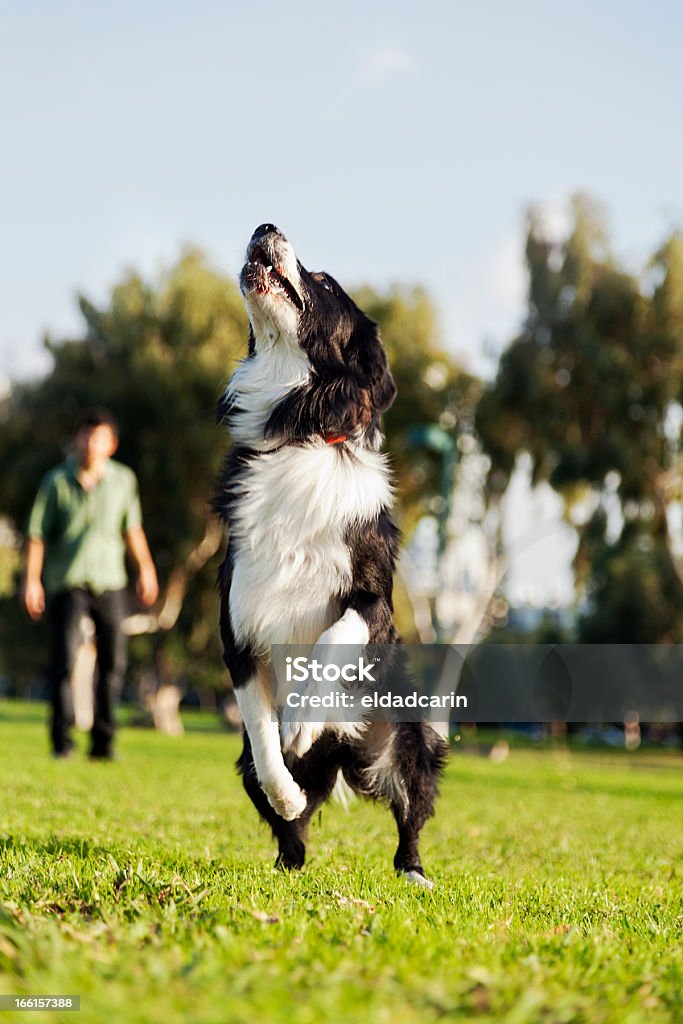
x: 322, y: 279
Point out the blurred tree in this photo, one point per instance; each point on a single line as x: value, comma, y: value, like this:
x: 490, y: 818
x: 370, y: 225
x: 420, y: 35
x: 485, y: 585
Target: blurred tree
x: 589, y: 389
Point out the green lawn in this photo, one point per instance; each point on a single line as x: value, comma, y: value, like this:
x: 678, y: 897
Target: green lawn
x: 146, y: 887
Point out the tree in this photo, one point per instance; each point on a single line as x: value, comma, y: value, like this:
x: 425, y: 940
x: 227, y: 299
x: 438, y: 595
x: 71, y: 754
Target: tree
x: 588, y: 389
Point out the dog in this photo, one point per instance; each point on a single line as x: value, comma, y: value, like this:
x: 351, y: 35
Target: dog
x: 305, y: 496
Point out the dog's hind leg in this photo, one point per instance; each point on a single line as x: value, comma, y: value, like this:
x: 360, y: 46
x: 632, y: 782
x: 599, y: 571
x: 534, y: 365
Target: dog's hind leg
x: 417, y: 757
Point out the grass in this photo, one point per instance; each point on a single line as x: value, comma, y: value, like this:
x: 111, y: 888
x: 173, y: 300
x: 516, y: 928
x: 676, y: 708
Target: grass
x: 146, y: 887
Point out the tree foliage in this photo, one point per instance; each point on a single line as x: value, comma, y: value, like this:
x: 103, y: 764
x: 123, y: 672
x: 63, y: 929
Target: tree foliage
x: 588, y: 389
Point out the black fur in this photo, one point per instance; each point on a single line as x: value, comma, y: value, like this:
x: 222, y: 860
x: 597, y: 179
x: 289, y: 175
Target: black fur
x: 373, y: 561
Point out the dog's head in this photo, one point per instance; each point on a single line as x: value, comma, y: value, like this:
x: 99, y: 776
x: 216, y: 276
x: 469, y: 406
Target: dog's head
x: 311, y: 313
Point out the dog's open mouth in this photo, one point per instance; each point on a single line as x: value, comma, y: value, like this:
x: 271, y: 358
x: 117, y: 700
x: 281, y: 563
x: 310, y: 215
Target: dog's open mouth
x: 262, y: 274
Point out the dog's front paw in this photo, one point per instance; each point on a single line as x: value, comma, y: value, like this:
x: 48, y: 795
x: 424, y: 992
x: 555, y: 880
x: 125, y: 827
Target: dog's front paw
x: 289, y: 800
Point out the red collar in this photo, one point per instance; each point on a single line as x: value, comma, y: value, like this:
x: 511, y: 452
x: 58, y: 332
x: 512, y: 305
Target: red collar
x: 333, y: 438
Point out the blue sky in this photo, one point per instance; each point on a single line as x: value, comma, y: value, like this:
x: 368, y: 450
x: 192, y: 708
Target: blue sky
x: 390, y: 141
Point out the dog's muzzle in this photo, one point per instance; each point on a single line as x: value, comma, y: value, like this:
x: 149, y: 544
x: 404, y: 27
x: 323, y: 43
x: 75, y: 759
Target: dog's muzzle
x: 271, y: 267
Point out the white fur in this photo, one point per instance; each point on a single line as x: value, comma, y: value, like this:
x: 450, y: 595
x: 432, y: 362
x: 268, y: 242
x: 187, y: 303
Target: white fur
x: 291, y: 561
x: 259, y: 383
x: 298, y: 734
x: 284, y: 795
x: 273, y: 319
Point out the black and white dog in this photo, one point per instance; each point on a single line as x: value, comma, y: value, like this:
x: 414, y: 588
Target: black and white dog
x: 305, y: 496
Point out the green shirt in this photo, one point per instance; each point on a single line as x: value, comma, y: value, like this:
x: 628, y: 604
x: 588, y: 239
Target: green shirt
x: 83, y: 530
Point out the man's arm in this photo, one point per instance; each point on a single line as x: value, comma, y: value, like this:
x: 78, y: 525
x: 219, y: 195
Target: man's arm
x: 32, y: 593
x: 147, y: 586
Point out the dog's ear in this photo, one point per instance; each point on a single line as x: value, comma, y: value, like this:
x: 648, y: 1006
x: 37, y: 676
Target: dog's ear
x: 370, y: 358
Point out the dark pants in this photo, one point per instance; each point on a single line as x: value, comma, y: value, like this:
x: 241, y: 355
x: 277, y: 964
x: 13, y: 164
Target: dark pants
x: 65, y: 611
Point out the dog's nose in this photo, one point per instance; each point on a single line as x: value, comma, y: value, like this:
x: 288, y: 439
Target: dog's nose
x: 263, y: 230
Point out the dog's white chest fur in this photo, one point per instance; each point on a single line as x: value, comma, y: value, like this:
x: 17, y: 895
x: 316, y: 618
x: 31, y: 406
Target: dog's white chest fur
x: 291, y: 562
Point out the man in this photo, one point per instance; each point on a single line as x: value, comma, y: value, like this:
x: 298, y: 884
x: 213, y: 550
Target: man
x: 86, y: 513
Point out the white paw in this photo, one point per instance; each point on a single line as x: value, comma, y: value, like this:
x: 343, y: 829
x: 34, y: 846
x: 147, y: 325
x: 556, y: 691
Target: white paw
x: 415, y: 878
x: 288, y: 800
